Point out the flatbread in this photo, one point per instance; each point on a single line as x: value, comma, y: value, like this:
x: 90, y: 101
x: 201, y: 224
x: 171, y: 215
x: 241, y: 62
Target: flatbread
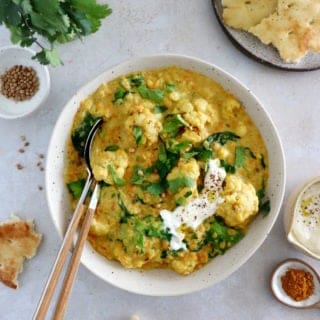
x: 244, y: 14
x: 18, y: 240
x: 294, y: 29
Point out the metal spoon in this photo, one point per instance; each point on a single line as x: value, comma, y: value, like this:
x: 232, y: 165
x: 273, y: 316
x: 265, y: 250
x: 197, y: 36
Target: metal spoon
x: 276, y: 287
x: 52, y: 281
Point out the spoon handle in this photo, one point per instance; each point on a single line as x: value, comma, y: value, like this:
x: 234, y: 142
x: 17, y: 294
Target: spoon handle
x: 76, y: 256
x: 52, y: 281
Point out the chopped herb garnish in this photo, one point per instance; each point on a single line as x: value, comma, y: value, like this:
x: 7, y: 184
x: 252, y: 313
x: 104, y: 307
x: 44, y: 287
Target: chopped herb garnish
x: 160, y: 109
x: 262, y: 162
x: 222, y: 137
x: 155, y: 95
x: 80, y: 134
x: 120, y: 94
x: 172, y: 125
x: 137, y: 132
x: 112, y: 147
x: 188, y: 194
x: 181, y: 182
x: 181, y: 201
x: 118, y: 181
x: 76, y: 187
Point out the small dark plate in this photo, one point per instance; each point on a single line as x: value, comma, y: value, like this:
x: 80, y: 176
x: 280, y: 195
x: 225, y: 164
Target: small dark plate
x: 254, y: 48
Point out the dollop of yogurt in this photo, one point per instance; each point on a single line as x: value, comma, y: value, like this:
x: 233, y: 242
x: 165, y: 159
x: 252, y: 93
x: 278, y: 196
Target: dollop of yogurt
x: 199, y: 209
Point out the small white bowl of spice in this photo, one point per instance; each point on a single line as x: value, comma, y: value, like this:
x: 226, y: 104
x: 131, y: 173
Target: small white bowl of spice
x: 24, y: 83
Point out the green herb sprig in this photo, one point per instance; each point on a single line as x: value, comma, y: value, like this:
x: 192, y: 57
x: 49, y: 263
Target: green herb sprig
x: 56, y: 21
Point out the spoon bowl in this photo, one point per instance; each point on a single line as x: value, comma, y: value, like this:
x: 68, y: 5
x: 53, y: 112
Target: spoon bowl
x: 276, y: 287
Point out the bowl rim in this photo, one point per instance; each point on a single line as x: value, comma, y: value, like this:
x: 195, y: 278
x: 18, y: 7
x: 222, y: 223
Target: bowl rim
x: 282, y: 164
x: 46, y: 73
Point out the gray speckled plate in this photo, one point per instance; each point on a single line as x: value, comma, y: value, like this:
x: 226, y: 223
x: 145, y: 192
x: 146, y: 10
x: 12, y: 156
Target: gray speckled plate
x: 254, y: 48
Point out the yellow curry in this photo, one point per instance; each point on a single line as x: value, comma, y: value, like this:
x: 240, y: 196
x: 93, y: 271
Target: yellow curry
x: 161, y: 129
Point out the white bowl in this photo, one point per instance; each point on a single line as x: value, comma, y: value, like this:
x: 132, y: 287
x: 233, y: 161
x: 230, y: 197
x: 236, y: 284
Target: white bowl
x: 9, y: 57
x: 165, y: 282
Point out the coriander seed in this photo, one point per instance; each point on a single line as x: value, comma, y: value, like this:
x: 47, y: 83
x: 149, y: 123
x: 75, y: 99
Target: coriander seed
x: 19, y: 83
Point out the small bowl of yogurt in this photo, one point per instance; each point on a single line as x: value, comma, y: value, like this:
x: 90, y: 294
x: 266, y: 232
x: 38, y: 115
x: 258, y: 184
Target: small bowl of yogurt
x: 302, y: 218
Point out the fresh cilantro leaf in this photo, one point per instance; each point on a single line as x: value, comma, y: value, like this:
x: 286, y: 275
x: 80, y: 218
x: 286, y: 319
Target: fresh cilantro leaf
x: 260, y: 194
x: 170, y: 87
x: 56, y: 21
x: 155, y: 95
x: 76, y: 187
x: 178, y: 147
x: 80, y: 134
x: 240, y: 157
x: 136, y: 80
x: 137, y: 132
x: 173, y: 124
x: 119, y: 95
x: 160, y: 109
x: 222, y: 137
x: 118, y: 181
x: 126, y: 213
x: 112, y: 147
x: 139, y: 175
x: 181, y: 182
x: 188, y: 194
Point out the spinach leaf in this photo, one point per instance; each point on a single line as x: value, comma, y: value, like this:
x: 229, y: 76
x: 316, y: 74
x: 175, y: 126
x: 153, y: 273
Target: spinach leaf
x: 76, y: 187
x: 80, y: 134
x: 160, y: 109
x: 200, y: 153
x: 154, y: 232
x: 118, y: 181
x: 137, y: 132
x: 155, y: 188
x: 175, y: 184
x: 219, y: 235
x: 222, y: 137
x: 155, y: 95
x: 119, y: 95
x: 228, y: 167
x: 264, y: 204
x: 172, y: 125
x: 111, y: 147
x: 126, y: 213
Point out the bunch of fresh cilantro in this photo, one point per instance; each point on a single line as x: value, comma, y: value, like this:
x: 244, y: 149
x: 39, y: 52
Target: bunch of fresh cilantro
x: 56, y: 21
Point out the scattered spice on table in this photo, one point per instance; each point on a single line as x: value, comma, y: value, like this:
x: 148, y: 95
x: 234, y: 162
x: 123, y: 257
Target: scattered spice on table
x: 19, y: 83
x: 19, y: 166
x: 298, y: 284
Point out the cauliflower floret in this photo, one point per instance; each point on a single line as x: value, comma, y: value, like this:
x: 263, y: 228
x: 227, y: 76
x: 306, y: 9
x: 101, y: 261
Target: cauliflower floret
x: 191, y: 136
x: 100, y: 160
x: 98, y: 228
x: 186, y: 168
x: 240, y: 202
x: 145, y: 119
x: 229, y: 107
x: 196, y: 119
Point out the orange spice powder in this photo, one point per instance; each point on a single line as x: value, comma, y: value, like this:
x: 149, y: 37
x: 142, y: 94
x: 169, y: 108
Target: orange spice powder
x: 298, y: 284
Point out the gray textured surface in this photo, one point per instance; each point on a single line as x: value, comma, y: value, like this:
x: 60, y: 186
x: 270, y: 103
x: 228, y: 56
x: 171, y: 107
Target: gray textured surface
x: 139, y: 28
